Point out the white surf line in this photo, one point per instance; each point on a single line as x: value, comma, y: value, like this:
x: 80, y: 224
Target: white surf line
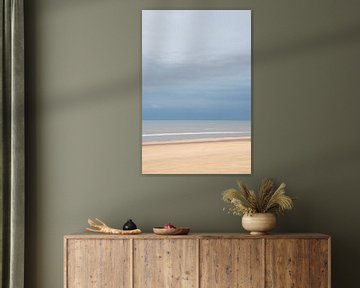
x: 193, y: 133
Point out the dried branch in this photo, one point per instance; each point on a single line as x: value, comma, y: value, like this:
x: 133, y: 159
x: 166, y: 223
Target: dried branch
x: 101, y: 227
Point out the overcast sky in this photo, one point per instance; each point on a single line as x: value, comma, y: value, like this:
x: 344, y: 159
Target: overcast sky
x: 196, y: 64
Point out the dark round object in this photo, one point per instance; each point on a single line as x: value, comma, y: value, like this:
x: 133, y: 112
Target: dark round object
x: 129, y: 225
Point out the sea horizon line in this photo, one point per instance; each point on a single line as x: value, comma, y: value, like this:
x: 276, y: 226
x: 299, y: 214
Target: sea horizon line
x: 195, y: 133
x: 200, y: 140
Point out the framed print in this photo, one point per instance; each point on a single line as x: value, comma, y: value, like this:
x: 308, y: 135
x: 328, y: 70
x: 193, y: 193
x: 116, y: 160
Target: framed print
x: 196, y: 92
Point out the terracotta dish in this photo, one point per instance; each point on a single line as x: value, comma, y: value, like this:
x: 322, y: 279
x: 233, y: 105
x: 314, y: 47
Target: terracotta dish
x: 171, y: 231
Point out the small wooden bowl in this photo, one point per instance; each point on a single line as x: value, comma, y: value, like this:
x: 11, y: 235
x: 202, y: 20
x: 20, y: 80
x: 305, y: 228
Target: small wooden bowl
x: 171, y: 231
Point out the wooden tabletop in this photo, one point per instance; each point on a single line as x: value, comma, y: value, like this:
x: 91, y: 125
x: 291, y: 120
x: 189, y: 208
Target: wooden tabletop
x: 89, y: 235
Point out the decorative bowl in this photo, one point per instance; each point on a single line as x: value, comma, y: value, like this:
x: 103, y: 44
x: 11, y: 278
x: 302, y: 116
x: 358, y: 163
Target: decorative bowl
x: 171, y: 231
x: 259, y: 223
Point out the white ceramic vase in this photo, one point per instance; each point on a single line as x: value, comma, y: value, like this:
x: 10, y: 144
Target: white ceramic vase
x: 259, y: 223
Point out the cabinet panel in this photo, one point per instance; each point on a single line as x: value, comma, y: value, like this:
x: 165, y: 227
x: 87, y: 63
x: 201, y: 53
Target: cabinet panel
x: 319, y: 263
x: 287, y: 263
x: 197, y: 261
x: 98, y: 264
x: 230, y: 263
x: 166, y: 263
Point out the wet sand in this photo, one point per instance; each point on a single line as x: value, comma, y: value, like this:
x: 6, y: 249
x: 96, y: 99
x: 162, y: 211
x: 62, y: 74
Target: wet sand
x: 225, y: 156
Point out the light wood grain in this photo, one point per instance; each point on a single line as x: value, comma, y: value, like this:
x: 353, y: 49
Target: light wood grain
x: 287, y: 263
x: 205, y: 260
x: 88, y: 235
x: 98, y: 264
x: 231, y: 263
x: 165, y: 263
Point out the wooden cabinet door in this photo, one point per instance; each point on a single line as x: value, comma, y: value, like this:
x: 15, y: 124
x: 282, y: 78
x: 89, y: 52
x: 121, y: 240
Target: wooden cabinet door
x: 231, y: 263
x: 165, y: 263
x: 287, y: 263
x: 320, y: 263
x: 297, y: 263
x: 98, y: 263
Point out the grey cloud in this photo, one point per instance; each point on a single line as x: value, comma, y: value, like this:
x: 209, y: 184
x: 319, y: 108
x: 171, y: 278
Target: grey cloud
x: 225, y: 71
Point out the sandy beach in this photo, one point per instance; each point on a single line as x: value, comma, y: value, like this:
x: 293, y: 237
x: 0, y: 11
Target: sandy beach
x: 224, y: 156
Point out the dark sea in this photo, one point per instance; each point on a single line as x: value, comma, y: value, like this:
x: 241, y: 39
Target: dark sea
x: 177, y: 130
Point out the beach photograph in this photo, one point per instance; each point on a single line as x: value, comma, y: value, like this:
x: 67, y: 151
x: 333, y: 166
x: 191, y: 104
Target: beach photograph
x: 196, y: 92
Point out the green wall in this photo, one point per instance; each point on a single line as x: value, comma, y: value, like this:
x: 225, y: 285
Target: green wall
x: 83, y: 98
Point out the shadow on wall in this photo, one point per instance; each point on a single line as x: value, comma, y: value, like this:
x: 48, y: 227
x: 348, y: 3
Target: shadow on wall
x: 309, y: 45
x: 122, y: 87
x: 93, y: 95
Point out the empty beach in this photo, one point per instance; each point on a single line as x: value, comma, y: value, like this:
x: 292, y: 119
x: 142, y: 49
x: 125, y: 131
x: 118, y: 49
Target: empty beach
x: 220, y: 156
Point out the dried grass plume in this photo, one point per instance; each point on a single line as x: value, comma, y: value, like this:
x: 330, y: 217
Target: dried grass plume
x: 267, y: 200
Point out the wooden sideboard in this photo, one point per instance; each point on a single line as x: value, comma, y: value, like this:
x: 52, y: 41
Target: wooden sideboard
x: 197, y: 260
